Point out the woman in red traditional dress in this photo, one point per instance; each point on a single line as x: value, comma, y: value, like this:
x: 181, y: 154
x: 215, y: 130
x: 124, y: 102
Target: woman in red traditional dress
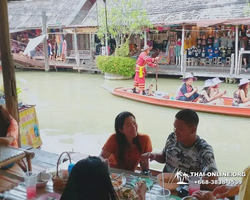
x: 140, y: 70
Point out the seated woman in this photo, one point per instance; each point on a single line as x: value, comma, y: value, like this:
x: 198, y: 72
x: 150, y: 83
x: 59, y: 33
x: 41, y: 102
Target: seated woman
x: 90, y: 180
x: 8, y: 128
x: 240, y: 95
x: 8, y: 131
x: 206, y: 97
x: 125, y: 147
x: 186, y: 91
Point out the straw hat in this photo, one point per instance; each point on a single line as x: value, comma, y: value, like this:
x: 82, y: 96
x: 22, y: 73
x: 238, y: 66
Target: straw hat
x: 217, y: 80
x: 189, y: 75
x: 146, y: 47
x: 243, y: 81
x: 209, y: 83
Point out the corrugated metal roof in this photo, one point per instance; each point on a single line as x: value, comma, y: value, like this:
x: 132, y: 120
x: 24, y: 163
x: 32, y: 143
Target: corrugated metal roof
x: 27, y: 14
x: 181, y: 11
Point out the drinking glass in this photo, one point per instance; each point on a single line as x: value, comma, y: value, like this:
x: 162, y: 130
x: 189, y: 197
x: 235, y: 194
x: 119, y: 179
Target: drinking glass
x: 30, y: 183
x: 194, y: 185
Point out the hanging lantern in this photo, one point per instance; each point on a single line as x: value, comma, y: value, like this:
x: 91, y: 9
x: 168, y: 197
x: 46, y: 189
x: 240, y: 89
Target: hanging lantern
x: 147, y: 30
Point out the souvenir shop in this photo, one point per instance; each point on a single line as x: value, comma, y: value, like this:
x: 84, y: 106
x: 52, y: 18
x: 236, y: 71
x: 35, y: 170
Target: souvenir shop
x: 212, y: 46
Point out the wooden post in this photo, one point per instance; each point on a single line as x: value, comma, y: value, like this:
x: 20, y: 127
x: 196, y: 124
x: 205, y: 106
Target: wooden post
x: 45, y: 45
x: 8, y: 70
x: 236, y: 49
x: 182, y: 48
x: 145, y: 38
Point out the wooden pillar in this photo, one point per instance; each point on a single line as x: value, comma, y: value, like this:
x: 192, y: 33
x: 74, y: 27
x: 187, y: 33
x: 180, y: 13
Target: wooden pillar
x: 45, y: 45
x: 8, y: 70
x: 236, y: 49
x: 145, y: 38
x: 182, y: 48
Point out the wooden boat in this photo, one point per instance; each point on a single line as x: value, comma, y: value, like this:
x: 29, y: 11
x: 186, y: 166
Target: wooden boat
x: 159, y: 100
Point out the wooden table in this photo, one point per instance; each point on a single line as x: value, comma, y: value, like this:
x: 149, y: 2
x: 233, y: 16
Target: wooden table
x: 10, y: 155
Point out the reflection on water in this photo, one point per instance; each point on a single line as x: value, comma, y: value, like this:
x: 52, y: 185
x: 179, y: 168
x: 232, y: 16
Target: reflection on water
x: 75, y: 113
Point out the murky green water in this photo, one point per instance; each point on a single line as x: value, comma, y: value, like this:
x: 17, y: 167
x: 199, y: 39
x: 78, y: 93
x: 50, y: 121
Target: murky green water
x: 74, y: 112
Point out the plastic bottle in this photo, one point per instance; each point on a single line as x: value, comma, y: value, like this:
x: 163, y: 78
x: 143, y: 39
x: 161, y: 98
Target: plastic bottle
x: 70, y: 167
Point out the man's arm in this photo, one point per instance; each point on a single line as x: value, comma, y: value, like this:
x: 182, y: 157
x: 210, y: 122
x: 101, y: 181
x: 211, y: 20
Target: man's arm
x: 158, y: 157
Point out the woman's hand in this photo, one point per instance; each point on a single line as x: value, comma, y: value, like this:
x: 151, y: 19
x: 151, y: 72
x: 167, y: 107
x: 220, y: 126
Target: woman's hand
x: 224, y: 191
x: 141, y: 190
x: 147, y: 156
x: 203, y: 195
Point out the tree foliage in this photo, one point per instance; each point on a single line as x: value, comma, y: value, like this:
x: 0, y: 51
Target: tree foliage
x: 124, y: 18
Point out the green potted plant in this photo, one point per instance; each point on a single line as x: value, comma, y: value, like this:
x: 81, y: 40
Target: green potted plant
x: 121, y: 20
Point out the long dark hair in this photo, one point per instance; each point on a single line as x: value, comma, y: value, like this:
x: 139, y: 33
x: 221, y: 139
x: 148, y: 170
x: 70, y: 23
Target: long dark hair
x: 89, y: 180
x: 121, y: 138
x: 244, y: 88
x: 207, y: 90
x: 5, y: 119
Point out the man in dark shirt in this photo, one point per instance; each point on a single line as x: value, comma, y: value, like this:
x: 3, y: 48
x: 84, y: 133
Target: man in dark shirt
x: 185, y: 150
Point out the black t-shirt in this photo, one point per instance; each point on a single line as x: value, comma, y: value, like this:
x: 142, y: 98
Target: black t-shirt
x: 196, y: 54
x: 203, y: 43
x: 190, y: 53
x: 223, y: 52
x: 199, y: 52
x: 210, y: 41
x: 229, y: 52
x: 198, y: 41
x: 203, y: 53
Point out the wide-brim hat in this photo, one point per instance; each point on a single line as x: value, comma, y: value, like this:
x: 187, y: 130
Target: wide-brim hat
x: 217, y: 80
x: 189, y: 75
x: 243, y: 81
x: 209, y: 83
x: 146, y: 47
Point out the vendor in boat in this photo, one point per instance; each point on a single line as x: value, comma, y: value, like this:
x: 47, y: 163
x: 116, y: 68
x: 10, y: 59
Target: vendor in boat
x: 125, y: 147
x: 185, y: 150
x: 187, y: 92
x: 206, y: 96
x: 240, y: 95
x: 140, y: 70
x: 90, y: 180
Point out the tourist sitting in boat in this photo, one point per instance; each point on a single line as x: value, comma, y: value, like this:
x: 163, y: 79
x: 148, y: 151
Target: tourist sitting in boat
x: 125, y: 147
x: 206, y: 97
x: 240, y: 95
x: 140, y: 70
x: 215, y: 90
x: 184, y: 149
x: 224, y: 191
x: 187, y: 92
x: 90, y: 180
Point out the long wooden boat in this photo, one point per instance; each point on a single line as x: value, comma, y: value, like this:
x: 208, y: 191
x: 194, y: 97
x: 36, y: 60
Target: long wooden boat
x: 159, y: 100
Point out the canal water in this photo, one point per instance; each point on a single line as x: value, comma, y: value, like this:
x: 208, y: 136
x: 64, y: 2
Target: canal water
x: 76, y: 113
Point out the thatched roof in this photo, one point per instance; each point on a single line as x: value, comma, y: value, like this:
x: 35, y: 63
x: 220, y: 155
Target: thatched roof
x: 184, y: 11
x: 27, y: 14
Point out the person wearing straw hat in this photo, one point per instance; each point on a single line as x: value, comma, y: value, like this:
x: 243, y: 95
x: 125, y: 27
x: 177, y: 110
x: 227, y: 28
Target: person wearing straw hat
x: 240, y: 95
x: 206, y: 97
x: 140, y: 70
x: 187, y: 92
x: 215, y: 90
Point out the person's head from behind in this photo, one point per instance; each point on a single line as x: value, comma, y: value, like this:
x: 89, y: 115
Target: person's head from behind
x: 5, y: 119
x: 185, y: 125
x: 90, y: 180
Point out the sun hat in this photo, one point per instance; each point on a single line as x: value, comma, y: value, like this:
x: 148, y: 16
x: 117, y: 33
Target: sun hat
x: 188, y: 75
x: 216, y: 80
x: 146, y: 47
x: 243, y: 81
x: 209, y: 83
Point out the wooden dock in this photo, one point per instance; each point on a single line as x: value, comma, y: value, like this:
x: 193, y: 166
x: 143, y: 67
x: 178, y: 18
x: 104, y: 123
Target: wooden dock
x: 22, y: 62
